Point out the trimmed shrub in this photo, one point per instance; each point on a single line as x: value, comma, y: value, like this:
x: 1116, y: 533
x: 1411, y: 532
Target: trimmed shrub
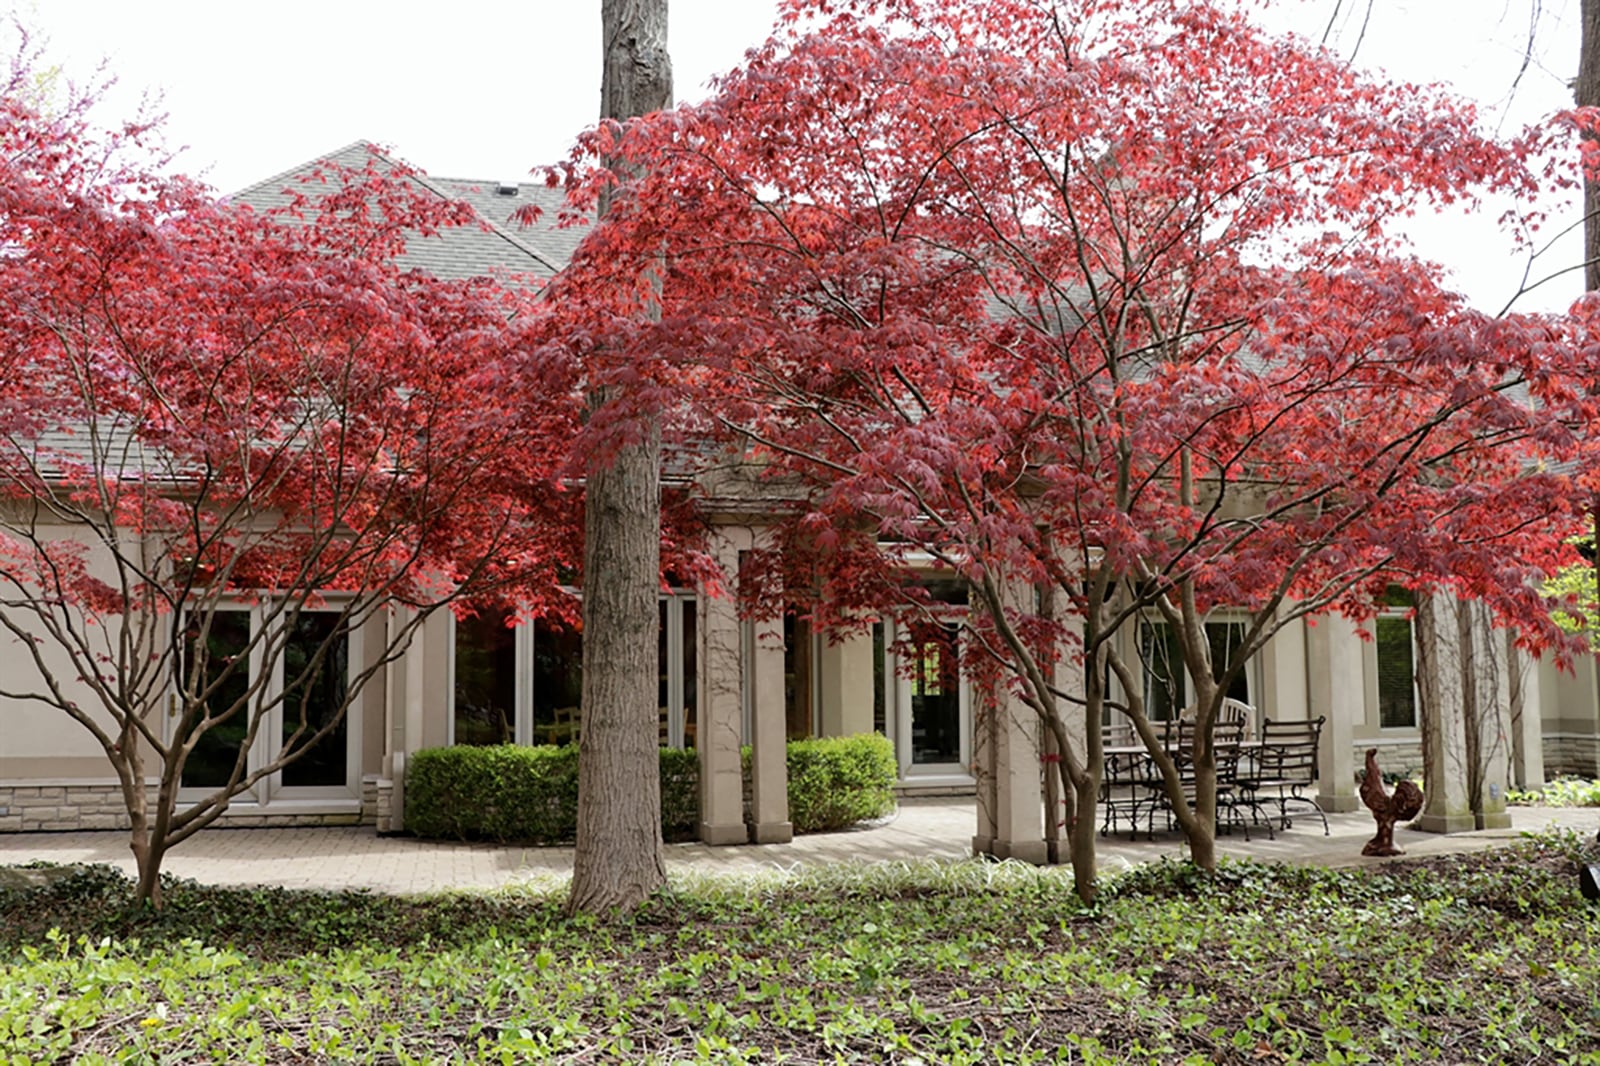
x: 503, y: 793
x: 680, y: 793
x: 835, y: 782
x: 526, y: 795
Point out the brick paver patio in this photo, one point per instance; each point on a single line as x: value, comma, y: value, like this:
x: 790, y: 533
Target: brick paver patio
x: 922, y: 829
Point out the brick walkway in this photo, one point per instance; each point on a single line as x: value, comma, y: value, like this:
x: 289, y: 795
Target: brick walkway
x: 922, y: 829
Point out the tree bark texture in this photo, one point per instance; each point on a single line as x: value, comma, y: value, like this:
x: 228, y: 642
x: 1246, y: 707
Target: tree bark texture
x: 1588, y: 95
x: 619, y: 860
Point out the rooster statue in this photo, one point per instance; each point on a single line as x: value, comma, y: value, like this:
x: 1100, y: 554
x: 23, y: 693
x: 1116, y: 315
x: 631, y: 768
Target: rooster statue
x: 1403, y: 804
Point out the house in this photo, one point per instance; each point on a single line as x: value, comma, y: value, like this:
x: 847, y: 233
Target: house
x: 723, y: 681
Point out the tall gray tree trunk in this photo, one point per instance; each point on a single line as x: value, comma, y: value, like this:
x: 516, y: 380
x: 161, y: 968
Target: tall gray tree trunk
x: 619, y: 861
x: 1588, y: 94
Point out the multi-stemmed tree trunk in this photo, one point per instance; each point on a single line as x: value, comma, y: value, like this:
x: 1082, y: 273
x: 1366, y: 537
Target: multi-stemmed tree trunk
x: 619, y: 862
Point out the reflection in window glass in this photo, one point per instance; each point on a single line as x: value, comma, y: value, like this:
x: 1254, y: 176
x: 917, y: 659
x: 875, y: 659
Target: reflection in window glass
x: 557, y: 683
x: 797, y: 676
x: 486, y: 679
x: 1164, y: 693
x: 936, y: 695
x: 1397, y: 699
x: 211, y: 763
x: 691, y: 690
x: 1225, y: 639
x: 313, y: 694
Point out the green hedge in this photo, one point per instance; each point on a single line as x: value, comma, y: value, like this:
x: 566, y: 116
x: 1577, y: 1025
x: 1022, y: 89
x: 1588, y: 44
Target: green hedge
x: 530, y: 795
x: 835, y: 782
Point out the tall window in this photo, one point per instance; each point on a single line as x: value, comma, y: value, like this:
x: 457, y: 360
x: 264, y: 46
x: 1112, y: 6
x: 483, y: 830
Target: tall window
x: 486, y: 678
x: 316, y: 678
x: 1397, y: 692
x: 524, y: 683
x: 307, y: 688
x: 1164, y: 690
x: 1166, y: 682
x: 211, y: 762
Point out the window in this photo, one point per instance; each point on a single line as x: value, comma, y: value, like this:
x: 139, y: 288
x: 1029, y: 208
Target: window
x: 486, y: 679
x: 308, y: 687
x: 799, y: 677
x: 1397, y: 693
x: 1166, y: 681
x: 1164, y: 689
x: 524, y: 683
x: 211, y: 763
x: 316, y: 678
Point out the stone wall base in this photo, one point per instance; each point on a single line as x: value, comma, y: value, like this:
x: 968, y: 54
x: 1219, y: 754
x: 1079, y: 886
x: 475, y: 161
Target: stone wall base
x: 65, y: 808
x: 1571, y: 755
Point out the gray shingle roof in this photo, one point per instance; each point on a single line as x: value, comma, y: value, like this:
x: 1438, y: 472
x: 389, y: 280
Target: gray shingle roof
x: 500, y: 246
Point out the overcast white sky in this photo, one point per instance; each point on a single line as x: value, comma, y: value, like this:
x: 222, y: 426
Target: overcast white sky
x: 488, y: 90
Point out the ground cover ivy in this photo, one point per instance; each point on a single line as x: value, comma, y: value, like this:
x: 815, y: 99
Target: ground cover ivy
x: 1489, y: 957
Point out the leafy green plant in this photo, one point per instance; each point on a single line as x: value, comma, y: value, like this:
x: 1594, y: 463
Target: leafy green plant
x: 1562, y: 792
x: 1488, y: 957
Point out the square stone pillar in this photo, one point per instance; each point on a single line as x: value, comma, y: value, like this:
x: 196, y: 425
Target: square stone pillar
x: 984, y: 740
x: 847, y: 685
x: 1488, y: 718
x: 720, y: 702
x: 769, y: 740
x: 1335, y: 691
x: 1447, y: 803
x: 1283, y: 676
x: 1067, y: 677
x: 1016, y: 826
x: 1527, y: 718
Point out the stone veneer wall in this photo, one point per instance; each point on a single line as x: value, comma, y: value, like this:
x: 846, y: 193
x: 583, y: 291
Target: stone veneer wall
x: 1404, y: 758
x: 1571, y: 754
x: 34, y: 808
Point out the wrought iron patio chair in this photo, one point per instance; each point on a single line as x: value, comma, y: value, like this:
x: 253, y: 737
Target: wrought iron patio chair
x: 1122, y: 792
x: 1226, y: 740
x: 1284, y: 768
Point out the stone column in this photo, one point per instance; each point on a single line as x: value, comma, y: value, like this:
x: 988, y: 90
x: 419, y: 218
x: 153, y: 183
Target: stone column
x: 1527, y: 718
x: 847, y: 685
x: 1447, y: 805
x: 1488, y: 718
x: 1283, y: 676
x: 1335, y: 693
x: 984, y: 741
x: 1018, y: 817
x: 769, y: 741
x: 720, y: 709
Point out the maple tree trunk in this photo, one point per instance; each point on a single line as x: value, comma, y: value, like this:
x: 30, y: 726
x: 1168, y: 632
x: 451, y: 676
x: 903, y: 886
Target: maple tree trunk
x: 1587, y: 89
x: 147, y: 857
x: 618, y: 861
x: 1081, y: 843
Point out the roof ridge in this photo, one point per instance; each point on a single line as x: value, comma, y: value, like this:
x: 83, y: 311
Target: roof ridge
x: 321, y: 157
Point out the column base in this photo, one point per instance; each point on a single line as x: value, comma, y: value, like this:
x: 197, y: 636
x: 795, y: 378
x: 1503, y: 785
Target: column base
x: 1446, y: 823
x: 772, y: 832
x: 1336, y: 804
x: 1493, y: 820
x: 723, y: 835
x: 1036, y: 852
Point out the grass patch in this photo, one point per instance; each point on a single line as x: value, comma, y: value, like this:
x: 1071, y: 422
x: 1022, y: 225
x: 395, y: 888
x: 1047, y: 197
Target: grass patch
x: 1483, y: 957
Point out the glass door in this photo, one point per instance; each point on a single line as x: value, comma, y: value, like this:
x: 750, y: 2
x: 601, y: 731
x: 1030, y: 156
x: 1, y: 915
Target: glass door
x: 218, y: 650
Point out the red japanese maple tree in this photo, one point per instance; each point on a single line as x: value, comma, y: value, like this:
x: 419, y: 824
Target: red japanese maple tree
x: 1100, y: 299
x: 207, y: 410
